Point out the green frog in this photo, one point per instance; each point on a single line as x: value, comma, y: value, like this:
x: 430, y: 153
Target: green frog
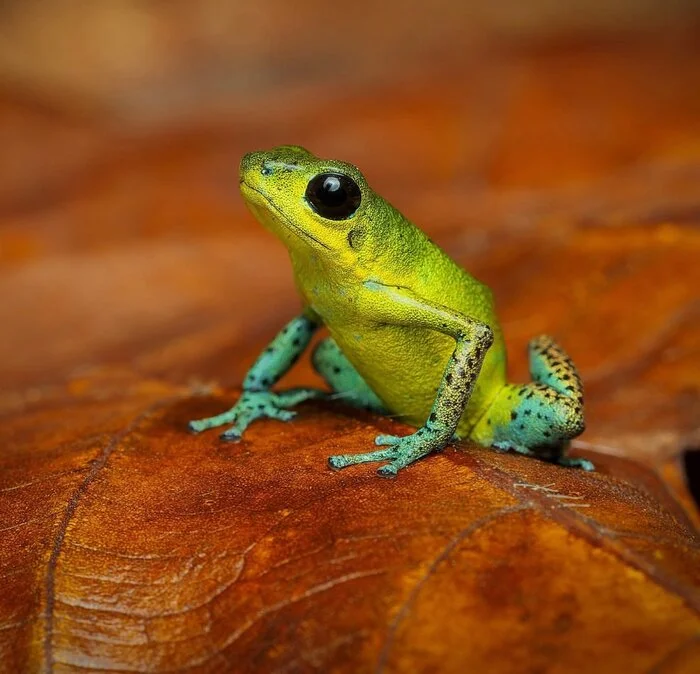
x: 412, y: 334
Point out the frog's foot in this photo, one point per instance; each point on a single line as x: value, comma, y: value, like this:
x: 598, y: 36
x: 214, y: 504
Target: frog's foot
x: 400, y: 452
x: 254, y: 405
x: 551, y: 457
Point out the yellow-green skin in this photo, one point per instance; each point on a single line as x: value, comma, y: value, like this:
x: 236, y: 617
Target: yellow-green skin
x: 413, y: 334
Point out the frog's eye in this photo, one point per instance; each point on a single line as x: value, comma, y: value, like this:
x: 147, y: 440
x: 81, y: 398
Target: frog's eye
x: 333, y: 195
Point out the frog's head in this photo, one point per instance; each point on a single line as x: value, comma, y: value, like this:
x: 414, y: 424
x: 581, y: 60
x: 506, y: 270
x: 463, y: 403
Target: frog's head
x: 311, y: 204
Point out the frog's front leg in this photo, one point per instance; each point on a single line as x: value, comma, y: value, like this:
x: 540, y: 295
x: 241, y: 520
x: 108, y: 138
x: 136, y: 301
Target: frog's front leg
x: 346, y: 382
x: 401, y: 307
x: 257, y: 401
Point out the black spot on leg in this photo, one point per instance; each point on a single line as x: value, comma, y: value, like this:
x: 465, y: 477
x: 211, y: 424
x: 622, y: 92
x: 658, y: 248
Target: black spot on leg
x: 295, y: 342
x: 336, y: 369
x: 448, y: 378
x: 513, y: 416
x: 432, y: 416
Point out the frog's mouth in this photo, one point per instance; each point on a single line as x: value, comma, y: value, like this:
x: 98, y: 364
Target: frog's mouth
x: 282, y: 217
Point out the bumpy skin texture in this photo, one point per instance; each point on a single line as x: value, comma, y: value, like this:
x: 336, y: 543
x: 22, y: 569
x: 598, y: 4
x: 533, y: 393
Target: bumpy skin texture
x: 411, y: 333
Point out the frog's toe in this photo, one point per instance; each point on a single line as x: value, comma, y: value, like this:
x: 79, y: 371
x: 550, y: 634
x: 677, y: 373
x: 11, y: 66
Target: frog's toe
x: 196, y: 426
x: 390, y: 440
x: 337, y: 462
x: 344, y: 460
x: 512, y: 446
x: 576, y: 462
x: 296, y: 396
x: 231, y: 435
x: 502, y: 447
x: 281, y: 415
x: 388, y: 471
x: 199, y: 425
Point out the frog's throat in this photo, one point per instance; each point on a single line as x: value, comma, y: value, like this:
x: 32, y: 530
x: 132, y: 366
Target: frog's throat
x: 283, y: 218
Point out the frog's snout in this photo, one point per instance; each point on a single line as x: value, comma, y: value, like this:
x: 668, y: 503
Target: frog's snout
x: 252, y: 163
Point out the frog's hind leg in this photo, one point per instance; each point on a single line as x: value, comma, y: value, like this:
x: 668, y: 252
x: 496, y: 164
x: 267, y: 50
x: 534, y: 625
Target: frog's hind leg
x: 348, y: 385
x: 540, y: 418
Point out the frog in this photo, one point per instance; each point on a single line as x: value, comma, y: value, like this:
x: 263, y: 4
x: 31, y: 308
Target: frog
x: 411, y: 334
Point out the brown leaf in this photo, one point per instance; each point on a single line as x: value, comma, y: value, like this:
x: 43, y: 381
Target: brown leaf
x: 130, y: 545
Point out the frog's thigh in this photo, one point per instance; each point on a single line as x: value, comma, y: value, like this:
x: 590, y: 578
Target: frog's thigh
x: 540, y: 418
x: 551, y: 365
x: 329, y: 361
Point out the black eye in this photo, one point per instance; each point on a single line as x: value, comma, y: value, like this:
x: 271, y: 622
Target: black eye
x: 333, y: 195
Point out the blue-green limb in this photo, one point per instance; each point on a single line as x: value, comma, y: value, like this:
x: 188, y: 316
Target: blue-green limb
x: 473, y: 339
x: 257, y: 401
x: 346, y: 382
x: 539, y: 419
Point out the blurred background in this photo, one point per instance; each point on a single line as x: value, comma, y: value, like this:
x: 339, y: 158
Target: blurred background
x: 148, y: 59
x: 553, y: 148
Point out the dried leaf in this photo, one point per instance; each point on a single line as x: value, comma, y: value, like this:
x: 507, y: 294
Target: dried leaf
x: 130, y: 545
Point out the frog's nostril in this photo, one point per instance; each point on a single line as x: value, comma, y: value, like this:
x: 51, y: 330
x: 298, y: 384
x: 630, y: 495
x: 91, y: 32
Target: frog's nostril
x: 254, y: 165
